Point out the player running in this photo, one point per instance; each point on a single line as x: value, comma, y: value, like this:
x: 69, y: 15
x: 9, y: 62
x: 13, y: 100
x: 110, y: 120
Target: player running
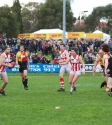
x: 4, y: 62
x: 98, y: 63
x: 108, y: 66
x: 22, y: 61
x: 64, y: 64
x: 100, y: 59
x: 99, y: 68
x: 75, y: 72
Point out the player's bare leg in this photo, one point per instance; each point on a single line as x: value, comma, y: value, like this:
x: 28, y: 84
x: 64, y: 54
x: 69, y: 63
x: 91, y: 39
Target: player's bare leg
x: 5, y: 82
x: 70, y: 78
x: 109, y: 85
x: 101, y: 74
x: 22, y: 76
x: 73, y: 82
x: 61, y: 74
x: 104, y: 84
x: 25, y: 79
x: 94, y: 73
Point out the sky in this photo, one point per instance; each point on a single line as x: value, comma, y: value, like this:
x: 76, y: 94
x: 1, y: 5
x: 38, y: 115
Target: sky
x: 77, y: 5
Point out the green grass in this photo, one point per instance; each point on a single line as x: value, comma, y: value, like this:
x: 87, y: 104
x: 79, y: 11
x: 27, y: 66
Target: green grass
x: 89, y: 105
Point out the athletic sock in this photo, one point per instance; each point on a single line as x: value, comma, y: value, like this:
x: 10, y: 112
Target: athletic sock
x: 71, y: 90
x: 26, y: 82
x: 23, y: 83
x: 62, y: 82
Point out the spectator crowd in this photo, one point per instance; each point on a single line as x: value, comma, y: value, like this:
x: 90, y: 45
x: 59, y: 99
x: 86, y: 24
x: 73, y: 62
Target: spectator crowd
x: 39, y: 49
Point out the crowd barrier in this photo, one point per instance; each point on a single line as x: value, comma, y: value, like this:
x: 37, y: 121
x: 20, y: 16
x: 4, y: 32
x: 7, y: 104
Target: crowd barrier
x: 51, y: 68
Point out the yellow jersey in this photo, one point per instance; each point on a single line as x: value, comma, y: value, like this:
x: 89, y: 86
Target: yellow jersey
x: 101, y: 60
x: 22, y: 56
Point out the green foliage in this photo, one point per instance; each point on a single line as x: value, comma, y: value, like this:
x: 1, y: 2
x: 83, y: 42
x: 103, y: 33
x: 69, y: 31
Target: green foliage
x: 11, y: 21
x: 8, y: 22
x: 93, y: 20
x: 50, y: 15
x: 34, y: 16
x: 29, y: 18
x: 16, y: 9
x: 89, y: 105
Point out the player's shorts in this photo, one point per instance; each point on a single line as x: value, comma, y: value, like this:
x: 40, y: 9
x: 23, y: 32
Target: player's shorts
x: 67, y: 67
x: 99, y: 68
x: 110, y: 75
x: 110, y: 72
x: 75, y: 72
x: 103, y: 68
x: 21, y: 69
x: 3, y: 73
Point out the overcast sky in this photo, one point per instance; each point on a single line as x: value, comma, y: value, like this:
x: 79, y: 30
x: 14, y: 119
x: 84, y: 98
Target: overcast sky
x: 77, y: 5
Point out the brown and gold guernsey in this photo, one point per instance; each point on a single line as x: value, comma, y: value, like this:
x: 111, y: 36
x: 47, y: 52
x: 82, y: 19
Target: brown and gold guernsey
x: 101, y: 60
x: 105, y: 56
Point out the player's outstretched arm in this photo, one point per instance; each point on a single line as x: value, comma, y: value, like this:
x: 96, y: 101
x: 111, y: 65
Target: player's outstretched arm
x: 96, y: 60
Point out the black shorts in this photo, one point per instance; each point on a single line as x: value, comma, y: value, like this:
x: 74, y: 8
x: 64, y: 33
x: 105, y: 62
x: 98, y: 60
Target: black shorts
x: 110, y: 72
x: 110, y: 75
x: 21, y: 69
x: 103, y: 68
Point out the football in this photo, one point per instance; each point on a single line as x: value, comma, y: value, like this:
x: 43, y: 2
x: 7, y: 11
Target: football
x: 12, y: 64
x: 58, y: 107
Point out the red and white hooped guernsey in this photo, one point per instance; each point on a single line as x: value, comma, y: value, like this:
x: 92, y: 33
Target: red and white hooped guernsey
x: 63, y: 55
x: 75, y: 63
x: 6, y: 61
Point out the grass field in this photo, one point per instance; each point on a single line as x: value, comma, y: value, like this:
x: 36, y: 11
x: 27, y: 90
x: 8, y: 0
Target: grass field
x: 89, y: 105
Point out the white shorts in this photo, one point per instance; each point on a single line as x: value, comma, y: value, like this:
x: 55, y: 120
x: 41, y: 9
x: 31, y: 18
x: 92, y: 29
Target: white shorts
x: 3, y: 73
x: 67, y: 67
x: 76, y: 72
x: 99, y: 68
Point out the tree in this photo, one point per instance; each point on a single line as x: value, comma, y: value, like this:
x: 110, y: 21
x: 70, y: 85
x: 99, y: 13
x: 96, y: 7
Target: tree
x: 16, y: 9
x: 50, y: 15
x: 109, y: 24
x: 8, y: 24
x: 29, y: 18
x: 93, y: 21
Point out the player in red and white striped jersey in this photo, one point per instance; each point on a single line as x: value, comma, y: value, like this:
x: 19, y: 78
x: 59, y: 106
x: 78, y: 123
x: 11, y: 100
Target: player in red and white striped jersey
x: 5, y: 59
x: 64, y: 64
x: 75, y: 61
